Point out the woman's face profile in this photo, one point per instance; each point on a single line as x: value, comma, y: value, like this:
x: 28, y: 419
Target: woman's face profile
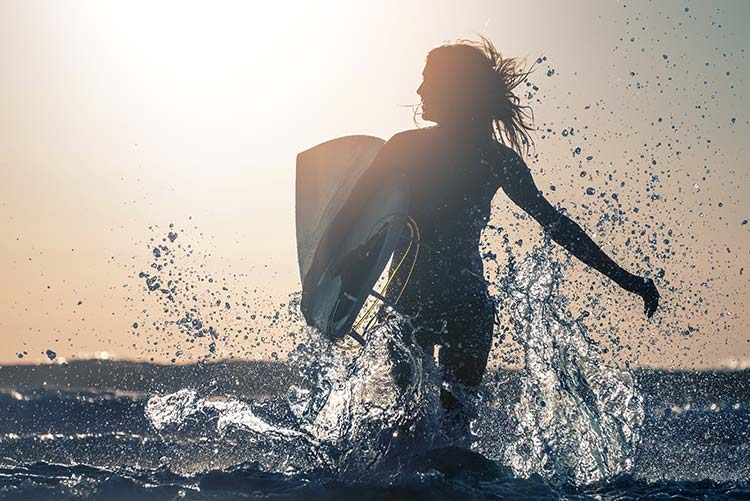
x: 436, y: 93
x: 424, y: 91
x: 443, y: 95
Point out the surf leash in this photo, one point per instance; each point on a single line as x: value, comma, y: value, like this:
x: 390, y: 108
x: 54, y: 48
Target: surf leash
x: 414, y: 241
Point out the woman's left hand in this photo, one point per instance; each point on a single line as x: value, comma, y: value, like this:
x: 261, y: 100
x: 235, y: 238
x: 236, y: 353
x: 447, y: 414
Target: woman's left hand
x: 647, y: 290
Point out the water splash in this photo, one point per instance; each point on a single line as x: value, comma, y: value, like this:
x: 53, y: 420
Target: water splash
x: 360, y: 412
x: 576, y: 419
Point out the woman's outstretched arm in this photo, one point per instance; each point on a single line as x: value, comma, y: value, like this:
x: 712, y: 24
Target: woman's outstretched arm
x: 521, y: 189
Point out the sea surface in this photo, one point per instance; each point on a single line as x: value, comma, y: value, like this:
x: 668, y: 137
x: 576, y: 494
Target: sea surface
x: 59, y: 440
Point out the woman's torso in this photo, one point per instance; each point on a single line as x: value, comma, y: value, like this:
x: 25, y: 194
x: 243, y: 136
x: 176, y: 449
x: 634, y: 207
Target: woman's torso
x: 452, y: 186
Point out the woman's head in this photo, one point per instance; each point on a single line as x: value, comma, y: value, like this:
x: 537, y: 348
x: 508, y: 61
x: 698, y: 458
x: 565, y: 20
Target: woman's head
x: 469, y: 84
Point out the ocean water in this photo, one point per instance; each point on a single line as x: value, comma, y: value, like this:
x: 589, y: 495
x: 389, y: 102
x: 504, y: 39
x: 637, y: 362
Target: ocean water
x: 339, y: 424
x: 57, y: 444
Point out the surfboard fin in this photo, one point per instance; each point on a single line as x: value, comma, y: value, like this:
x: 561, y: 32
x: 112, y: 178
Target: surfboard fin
x: 382, y: 298
x: 354, y: 335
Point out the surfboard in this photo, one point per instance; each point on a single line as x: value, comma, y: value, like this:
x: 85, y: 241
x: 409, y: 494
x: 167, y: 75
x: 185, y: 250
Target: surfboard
x: 340, y: 263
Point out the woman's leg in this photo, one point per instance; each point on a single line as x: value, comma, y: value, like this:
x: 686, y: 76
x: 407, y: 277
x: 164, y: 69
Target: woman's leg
x: 468, y: 341
x: 463, y: 356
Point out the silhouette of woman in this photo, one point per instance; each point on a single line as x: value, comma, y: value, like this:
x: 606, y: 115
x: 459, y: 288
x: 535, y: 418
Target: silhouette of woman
x: 454, y: 170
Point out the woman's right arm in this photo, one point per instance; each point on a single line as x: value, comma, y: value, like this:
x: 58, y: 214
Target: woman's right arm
x: 386, y: 165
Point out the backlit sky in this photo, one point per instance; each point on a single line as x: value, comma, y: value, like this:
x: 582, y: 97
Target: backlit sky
x: 120, y: 118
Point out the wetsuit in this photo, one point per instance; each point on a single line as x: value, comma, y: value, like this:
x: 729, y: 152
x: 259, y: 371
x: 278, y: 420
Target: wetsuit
x: 453, y: 176
x: 452, y: 186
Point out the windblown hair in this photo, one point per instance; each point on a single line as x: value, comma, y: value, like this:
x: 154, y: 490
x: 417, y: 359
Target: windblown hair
x: 493, y: 78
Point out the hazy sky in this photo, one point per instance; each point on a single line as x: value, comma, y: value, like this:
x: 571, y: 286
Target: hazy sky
x: 120, y: 118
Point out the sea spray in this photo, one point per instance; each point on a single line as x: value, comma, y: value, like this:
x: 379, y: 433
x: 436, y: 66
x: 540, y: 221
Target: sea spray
x: 575, y: 419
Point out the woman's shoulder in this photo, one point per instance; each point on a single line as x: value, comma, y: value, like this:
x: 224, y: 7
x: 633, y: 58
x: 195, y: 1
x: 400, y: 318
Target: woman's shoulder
x: 505, y: 161
x: 410, y: 136
x: 506, y: 154
x: 409, y: 144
